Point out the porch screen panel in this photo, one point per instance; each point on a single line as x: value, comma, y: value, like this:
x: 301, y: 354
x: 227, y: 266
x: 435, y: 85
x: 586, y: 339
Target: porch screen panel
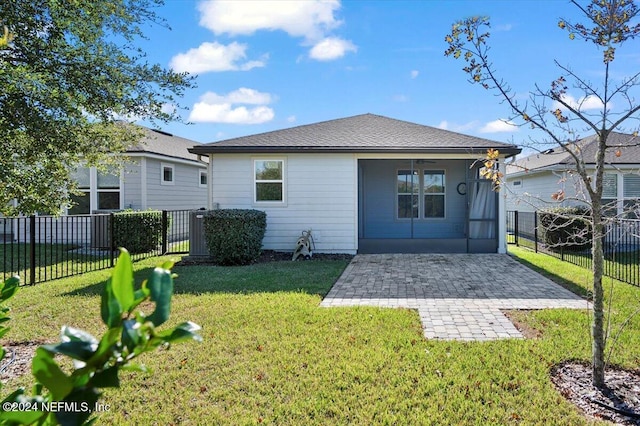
x: 482, y: 213
x: 408, y: 188
x: 434, y: 193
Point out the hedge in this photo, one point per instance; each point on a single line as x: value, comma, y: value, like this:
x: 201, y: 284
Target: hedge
x: 234, y: 236
x: 566, y: 228
x: 138, y: 231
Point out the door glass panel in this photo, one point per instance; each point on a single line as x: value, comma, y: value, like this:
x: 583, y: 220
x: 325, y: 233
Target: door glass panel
x: 408, y: 188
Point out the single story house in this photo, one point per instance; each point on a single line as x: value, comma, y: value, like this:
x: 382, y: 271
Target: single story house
x: 532, y: 181
x: 363, y: 184
x: 160, y: 173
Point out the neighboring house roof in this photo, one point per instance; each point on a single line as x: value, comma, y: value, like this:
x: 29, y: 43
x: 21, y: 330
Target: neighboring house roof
x: 559, y: 158
x: 165, y: 144
x: 360, y: 133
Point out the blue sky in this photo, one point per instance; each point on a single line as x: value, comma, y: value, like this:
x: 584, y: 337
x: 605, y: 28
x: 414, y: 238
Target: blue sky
x: 269, y: 65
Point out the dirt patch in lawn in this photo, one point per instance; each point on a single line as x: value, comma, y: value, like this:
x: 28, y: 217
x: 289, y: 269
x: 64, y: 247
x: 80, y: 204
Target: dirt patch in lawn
x: 619, y: 402
x: 516, y: 317
x: 17, y: 359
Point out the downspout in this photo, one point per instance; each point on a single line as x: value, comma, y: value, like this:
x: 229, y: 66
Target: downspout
x: 210, y: 183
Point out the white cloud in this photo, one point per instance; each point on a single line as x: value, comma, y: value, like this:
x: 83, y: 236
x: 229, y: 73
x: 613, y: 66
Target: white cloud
x: 585, y: 103
x: 291, y: 119
x: 454, y: 127
x: 240, y: 96
x: 499, y: 126
x: 214, y: 57
x: 331, y: 48
x: 214, y: 108
x: 308, y: 19
x: 400, y: 98
x: 414, y: 73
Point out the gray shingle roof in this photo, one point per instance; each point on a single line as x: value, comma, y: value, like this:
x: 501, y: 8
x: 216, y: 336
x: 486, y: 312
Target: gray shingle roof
x: 166, y: 144
x: 360, y: 133
x: 626, y: 143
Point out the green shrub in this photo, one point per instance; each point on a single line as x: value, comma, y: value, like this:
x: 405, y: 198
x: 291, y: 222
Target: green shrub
x: 68, y: 396
x: 138, y: 231
x: 566, y: 228
x: 234, y: 236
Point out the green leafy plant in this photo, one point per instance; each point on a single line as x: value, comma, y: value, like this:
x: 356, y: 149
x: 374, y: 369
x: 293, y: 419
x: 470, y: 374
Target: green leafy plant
x: 234, y: 236
x: 566, y: 228
x: 139, y: 231
x: 70, y: 398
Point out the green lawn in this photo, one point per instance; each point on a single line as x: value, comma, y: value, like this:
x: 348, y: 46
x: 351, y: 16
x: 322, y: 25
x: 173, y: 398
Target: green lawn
x: 270, y: 355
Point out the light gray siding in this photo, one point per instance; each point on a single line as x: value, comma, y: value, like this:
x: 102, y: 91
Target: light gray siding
x: 132, y: 185
x: 535, y: 190
x: 185, y: 193
x: 320, y: 194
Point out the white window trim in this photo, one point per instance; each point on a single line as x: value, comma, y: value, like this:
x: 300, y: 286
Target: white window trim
x: 173, y: 174
x: 200, y: 173
x: 284, y: 179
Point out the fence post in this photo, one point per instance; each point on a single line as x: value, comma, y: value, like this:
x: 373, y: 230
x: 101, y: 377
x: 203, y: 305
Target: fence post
x: 165, y: 231
x: 515, y: 228
x: 535, y: 229
x: 112, y: 240
x: 32, y: 249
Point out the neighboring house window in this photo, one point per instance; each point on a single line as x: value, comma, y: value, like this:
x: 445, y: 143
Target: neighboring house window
x: 81, y: 204
x: 631, y: 194
x: 167, y: 172
x: 609, y: 194
x: 408, y: 188
x: 434, y: 193
x: 517, y: 183
x: 100, y: 191
x: 203, y: 179
x: 108, y: 191
x: 269, y: 180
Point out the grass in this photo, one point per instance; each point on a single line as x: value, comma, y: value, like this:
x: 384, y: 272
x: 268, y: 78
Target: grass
x: 270, y: 355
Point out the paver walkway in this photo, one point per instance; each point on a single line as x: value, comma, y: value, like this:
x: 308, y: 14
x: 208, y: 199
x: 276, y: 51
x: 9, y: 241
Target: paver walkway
x: 458, y: 296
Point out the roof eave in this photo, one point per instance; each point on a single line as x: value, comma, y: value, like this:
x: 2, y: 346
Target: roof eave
x: 506, y: 151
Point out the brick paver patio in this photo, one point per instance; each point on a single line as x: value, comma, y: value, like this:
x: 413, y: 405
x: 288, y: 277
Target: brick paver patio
x: 458, y: 296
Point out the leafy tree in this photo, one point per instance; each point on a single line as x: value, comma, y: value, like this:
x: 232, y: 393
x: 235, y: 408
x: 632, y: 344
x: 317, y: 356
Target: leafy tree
x: 69, y: 72
x: 608, y: 25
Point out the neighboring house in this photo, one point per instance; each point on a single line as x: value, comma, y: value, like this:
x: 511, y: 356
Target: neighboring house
x: 363, y: 184
x: 160, y: 174
x: 532, y: 181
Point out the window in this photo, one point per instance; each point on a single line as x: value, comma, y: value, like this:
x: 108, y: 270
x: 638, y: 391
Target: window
x: 517, y: 183
x: 100, y: 191
x: 108, y: 191
x: 269, y: 181
x: 167, y: 174
x: 434, y: 193
x: 609, y: 194
x: 81, y: 204
x: 408, y: 188
x: 202, y: 179
x: 631, y: 194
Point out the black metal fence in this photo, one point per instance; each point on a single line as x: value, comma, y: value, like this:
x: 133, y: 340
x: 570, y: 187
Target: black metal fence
x: 621, y: 245
x: 43, y: 248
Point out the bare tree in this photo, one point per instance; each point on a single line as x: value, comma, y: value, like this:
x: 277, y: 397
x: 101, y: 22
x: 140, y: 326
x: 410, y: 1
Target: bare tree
x: 561, y: 120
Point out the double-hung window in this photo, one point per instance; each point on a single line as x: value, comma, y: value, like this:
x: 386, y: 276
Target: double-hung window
x: 420, y: 198
x: 610, y: 194
x: 81, y: 203
x: 631, y: 194
x: 269, y: 183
